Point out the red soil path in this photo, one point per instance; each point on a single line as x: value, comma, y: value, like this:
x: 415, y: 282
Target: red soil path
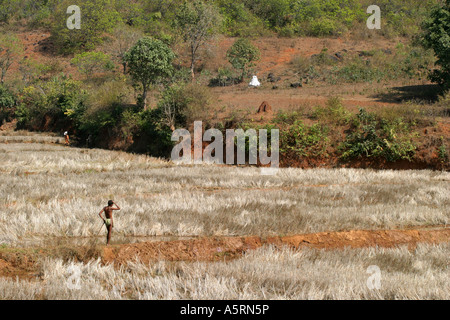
x: 220, y: 248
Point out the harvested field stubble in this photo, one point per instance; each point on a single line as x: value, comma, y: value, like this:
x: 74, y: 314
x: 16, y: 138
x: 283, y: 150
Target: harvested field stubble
x: 53, y: 191
x: 265, y: 273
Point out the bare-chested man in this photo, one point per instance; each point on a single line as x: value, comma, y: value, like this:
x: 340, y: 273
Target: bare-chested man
x: 109, y: 218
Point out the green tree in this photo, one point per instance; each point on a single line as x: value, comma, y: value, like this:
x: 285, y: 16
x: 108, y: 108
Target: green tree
x: 149, y: 62
x: 97, y: 17
x: 274, y: 12
x: 198, y: 22
x: 7, y: 104
x: 90, y: 62
x: 437, y: 37
x: 10, y: 49
x: 242, y: 55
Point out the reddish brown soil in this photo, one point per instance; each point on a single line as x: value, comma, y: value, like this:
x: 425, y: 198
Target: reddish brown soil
x: 18, y: 264
x: 22, y: 263
x: 242, y: 102
x: 220, y: 248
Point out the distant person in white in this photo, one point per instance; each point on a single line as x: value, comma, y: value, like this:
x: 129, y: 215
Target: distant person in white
x: 66, y: 136
x: 254, y: 82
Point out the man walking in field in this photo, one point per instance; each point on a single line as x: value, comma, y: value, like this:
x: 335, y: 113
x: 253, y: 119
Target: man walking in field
x: 109, y: 223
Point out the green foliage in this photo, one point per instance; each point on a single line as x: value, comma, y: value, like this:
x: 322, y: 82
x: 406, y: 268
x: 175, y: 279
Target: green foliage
x: 23, y: 9
x: 275, y: 13
x: 156, y: 134
x: 197, y: 21
x: 409, y: 62
x: 238, y: 20
x: 60, y: 98
x: 359, y: 71
x: 304, y: 141
x: 30, y: 69
x: 333, y: 112
x: 371, y: 136
x: 7, y: 104
x: 97, y: 17
x: 149, y: 62
x: 289, y: 118
x: 90, y: 62
x: 181, y: 105
x: 323, y: 58
x: 244, y: 18
x: 327, y: 17
x: 402, y: 18
x: 10, y: 48
x: 437, y: 37
x: 242, y: 55
x: 442, y: 151
x: 131, y: 12
x: 324, y: 27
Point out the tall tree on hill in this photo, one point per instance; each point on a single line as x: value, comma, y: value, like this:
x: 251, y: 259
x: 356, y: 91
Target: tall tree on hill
x: 242, y: 55
x: 197, y: 22
x: 149, y: 62
x: 124, y: 38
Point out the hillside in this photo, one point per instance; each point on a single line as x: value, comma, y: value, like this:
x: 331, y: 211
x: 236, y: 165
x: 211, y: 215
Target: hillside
x: 312, y: 82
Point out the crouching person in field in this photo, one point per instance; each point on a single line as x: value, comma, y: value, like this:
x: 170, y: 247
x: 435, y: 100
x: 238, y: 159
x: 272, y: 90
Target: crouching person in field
x: 108, y: 220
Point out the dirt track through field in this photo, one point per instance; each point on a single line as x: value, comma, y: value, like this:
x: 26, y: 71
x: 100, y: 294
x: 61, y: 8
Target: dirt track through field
x: 24, y: 264
x: 220, y: 248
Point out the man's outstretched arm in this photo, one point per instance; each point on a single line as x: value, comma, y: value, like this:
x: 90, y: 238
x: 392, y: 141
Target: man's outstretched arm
x: 100, y: 214
x: 118, y: 208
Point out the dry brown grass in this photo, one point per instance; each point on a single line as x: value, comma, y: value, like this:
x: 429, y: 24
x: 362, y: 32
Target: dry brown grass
x: 53, y: 191
x: 266, y: 273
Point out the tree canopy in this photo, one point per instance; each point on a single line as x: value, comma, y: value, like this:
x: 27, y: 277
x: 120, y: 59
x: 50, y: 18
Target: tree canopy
x: 197, y: 21
x: 437, y: 37
x: 149, y: 62
x: 242, y: 54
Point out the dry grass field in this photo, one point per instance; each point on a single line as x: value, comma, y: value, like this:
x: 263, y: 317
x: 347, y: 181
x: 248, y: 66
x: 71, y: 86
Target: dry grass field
x: 266, y: 273
x: 51, y: 192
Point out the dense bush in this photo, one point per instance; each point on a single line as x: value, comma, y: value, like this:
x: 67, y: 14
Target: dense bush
x: 103, y: 106
x: 34, y: 10
x: 98, y: 16
x: 239, y: 21
x: 371, y: 136
x: 7, y: 104
x: 60, y: 100
x: 406, y: 61
x: 437, y: 37
x: 303, y: 140
x: 242, y: 55
x: 244, y: 18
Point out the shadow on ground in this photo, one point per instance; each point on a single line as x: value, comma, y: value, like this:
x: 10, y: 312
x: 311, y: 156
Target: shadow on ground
x: 427, y: 93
